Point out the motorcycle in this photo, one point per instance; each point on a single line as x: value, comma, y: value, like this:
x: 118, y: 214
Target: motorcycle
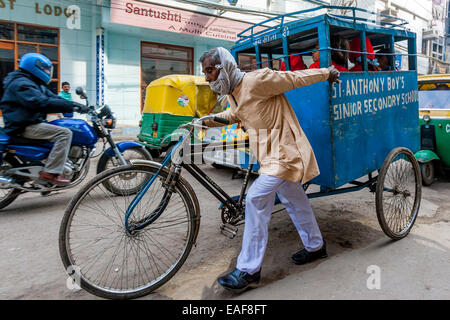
x: 22, y: 159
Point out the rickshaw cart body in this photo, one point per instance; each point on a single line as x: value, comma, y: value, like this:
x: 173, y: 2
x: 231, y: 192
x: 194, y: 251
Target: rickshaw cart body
x: 353, y: 125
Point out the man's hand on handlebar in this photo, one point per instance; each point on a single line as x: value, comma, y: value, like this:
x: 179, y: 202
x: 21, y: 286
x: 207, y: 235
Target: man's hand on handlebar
x: 80, y: 108
x: 201, y: 121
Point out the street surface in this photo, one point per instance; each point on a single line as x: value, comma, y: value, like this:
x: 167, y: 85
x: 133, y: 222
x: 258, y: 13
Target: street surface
x: 363, y: 263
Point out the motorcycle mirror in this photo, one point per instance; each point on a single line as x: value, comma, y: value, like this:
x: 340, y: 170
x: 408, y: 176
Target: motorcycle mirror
x: 80, y: 91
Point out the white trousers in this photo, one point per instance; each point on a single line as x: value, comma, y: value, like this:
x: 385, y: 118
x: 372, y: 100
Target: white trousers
x: 258, y: 210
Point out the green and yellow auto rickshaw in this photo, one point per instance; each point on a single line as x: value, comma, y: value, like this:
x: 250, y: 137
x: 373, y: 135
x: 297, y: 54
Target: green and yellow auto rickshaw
x: 434, y: 113
x: 169, y: 102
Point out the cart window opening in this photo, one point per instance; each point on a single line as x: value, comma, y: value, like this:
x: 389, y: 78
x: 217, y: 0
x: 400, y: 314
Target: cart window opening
x: 402, y: 58
x: 248, y: 62
x: 300, y: 50
x: 382, y: 51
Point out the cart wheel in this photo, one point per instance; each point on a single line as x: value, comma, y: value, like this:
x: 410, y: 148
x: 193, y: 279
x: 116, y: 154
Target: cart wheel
x: 398, y: 193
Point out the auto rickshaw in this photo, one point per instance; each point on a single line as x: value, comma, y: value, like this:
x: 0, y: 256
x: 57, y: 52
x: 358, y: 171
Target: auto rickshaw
x: 434, y: 120
x: 169, y: 102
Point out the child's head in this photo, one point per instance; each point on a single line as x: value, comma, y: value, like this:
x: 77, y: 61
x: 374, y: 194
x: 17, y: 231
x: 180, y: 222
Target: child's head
x: 316, y: 54
x: 339, y: 57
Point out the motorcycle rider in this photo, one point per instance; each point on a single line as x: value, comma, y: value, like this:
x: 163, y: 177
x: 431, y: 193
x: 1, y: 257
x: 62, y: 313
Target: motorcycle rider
x: 25, y: 104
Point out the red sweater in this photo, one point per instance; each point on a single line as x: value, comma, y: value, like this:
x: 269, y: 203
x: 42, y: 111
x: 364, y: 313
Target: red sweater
x: 296, y: 63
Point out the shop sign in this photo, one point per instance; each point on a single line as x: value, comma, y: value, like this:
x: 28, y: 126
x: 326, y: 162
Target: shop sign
x: 9, y: 3
x: 72, y: 13
x: 146, y: 15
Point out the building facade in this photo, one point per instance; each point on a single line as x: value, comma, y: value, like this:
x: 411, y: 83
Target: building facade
x: 428, y: 19
x: 115, y: 48
x: 111, y: 48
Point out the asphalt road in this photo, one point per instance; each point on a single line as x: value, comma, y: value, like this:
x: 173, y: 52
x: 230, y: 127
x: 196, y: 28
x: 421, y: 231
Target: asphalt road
x: 362, y: 264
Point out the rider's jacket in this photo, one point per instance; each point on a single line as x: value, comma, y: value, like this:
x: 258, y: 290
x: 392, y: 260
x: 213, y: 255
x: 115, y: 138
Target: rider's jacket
x: 27, y: 101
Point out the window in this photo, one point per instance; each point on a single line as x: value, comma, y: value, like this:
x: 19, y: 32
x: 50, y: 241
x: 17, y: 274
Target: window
x: 6, y: 31
x: 19, y: 39
x: 437, y: 49
x: 158, y: 60
x: 247, y: 62
x: 434, y: 99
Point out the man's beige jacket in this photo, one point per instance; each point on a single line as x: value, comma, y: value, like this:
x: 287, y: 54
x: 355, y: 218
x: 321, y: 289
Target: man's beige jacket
x: 276, y: 138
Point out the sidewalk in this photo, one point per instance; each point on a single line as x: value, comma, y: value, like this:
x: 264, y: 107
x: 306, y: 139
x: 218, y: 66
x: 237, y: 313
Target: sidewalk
x: 122, y: 133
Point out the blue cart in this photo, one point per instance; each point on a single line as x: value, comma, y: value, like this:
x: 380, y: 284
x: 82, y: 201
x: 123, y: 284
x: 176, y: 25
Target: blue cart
x: 367, y: 125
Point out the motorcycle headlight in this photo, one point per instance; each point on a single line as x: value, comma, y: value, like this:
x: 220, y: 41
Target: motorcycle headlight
x: 109, y: 123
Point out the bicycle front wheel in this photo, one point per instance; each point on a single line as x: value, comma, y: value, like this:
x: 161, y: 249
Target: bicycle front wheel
x: 109, y: 261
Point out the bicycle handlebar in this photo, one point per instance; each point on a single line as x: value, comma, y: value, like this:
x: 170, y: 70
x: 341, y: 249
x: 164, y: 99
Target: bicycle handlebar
x: 199, y: 122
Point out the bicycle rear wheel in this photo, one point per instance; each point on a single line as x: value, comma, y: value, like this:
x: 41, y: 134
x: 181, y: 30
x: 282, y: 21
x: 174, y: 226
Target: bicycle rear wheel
x: 109, y: 261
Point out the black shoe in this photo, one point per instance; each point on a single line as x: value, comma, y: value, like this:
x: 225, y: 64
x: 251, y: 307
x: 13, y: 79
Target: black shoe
x: 238, y: 281
x: 304, y: 256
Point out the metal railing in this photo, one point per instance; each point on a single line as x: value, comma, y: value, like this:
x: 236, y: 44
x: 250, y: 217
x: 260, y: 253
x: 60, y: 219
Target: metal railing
x: 245, y: 36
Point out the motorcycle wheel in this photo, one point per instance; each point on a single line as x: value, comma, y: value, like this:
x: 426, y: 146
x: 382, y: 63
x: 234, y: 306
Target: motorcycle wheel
x: 105, y: 163
x: 7, y: 196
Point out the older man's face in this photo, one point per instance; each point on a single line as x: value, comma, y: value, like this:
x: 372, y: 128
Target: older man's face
x: 209, y: 69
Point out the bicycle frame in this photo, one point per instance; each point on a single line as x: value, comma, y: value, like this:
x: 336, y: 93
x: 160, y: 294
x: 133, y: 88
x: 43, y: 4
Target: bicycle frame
x: 171, y: 180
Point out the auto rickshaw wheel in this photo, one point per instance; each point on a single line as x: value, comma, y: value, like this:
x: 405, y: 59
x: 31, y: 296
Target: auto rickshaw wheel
x: 427, y: 171
x: 398, y: 193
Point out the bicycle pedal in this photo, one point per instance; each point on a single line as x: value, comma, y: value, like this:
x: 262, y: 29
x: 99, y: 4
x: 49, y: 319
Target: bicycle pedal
x: 228, y: 230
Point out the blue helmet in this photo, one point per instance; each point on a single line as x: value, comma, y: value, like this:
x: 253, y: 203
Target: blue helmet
x: 38, y: 65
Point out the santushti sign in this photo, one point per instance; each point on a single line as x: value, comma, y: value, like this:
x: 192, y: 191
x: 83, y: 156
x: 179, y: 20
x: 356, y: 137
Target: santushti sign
x: 146, y: 15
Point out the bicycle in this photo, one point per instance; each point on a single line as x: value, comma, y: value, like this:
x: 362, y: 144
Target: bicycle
x: 113, y: 229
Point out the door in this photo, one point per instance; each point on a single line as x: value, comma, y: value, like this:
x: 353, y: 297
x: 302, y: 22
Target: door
x: 6, y: 62
x: 158, y: 60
